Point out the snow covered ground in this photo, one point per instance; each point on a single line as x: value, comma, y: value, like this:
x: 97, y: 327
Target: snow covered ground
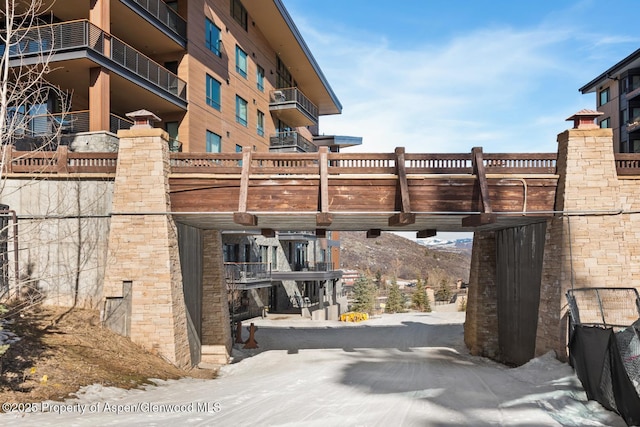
x: 407, y: 369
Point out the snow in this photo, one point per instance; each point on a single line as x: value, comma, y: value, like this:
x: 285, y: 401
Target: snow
x: 408, y: 369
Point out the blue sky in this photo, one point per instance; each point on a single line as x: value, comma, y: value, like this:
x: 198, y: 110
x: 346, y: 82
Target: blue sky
x: 446, y: 76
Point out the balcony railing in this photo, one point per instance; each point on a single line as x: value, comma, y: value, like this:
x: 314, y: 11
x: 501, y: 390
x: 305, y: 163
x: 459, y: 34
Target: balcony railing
x: 633, y: 124
x: 42, y: 125
x: 309, y: 266
x: 54, y: 38
x: 291, y: 141
x: 242, y: 272
x: 293, y: 98
x: 166, y: 15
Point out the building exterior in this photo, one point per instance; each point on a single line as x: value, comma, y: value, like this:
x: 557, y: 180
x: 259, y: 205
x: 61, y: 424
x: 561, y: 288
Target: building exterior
x: 220, y: 75
x: 618, y: 99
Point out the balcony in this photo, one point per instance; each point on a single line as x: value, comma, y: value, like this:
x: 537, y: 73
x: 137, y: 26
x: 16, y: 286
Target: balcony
x: 163, y: 14
x: 80, y: 39
x: 293, y: 107
x: 291, y: 142
x: 632, y: 93
x: 633, y: 125
x: 246, y: 275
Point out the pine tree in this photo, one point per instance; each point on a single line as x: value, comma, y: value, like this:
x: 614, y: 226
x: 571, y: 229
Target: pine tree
x: 395, y: 299
x: 364, y: 295
x: 420, y: 298
x: 443, y: 293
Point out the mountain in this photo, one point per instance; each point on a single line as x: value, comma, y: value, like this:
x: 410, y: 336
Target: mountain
x: 391, y: 255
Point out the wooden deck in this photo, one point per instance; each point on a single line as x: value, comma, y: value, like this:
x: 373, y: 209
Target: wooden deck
x: 341, y: 191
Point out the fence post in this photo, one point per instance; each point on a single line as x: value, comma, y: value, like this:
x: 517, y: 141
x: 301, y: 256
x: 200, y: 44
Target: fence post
x: 62, y: 155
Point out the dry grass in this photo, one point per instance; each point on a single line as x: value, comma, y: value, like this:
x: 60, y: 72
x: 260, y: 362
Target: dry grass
x: 62, y: 350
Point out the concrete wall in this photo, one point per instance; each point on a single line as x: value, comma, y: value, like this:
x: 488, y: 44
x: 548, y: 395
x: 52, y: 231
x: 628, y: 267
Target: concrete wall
x: 61, y: 254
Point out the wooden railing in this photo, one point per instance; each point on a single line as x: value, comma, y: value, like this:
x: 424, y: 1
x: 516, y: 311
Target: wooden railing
x: 60, y: 161
x: 627, y: 164
x: 265, y: 163
x: 361, y: 163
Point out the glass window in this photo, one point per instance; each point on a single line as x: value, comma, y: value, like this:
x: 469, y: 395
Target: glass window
x: 213, y: 92
x: 260, y: 78
x: 635, y: 146
x: 604, y: 96
x: 624, y: 116
x: 605, y: 123
x: 212, y: 37
x: 274, y: 257
x: 214, y: 142
x: 260, y: 123
x: 239, y: 13
x: 241, y: 62
x: 241, y: 111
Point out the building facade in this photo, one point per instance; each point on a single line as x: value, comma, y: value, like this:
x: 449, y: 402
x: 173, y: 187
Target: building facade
x: 618, y: 99
x: 220, y: 75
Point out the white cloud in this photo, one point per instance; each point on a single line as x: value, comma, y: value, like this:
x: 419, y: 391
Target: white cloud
x: 497, y: 88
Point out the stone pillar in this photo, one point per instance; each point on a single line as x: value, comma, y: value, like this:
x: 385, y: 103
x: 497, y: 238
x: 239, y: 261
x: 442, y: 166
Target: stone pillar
x: 216, y: 332
x: 143, y: 246
x: 585, y: 245
x: 481, y: 323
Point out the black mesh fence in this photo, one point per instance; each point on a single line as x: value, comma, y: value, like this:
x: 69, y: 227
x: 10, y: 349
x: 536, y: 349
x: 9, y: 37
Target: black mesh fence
x: 604, y: 347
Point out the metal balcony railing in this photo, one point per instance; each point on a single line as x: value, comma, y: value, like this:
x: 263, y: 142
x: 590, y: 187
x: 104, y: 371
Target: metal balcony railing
x: 242, y: 272
x: 166, y: 15
x: 293, y: 95
x: 54, y: 38
x: 67, y: 123
x: 293, y: 141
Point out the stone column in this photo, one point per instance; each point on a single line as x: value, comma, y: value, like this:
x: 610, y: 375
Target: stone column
x: 585, y: 245
x: 216, y: 332
x: 481, y: 323
x: 143, y: 245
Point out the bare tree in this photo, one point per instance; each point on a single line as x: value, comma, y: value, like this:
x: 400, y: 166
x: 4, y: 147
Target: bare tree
x: 32, y: 109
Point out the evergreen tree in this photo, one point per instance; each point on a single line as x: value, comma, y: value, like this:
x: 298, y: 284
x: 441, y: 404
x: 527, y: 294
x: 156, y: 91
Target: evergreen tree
x: 443, y: 293
x: 395, y: 299
x: 364, y: 295
x: 420, y: 298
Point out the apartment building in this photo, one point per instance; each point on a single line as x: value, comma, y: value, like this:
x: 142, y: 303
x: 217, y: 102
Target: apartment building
x: 618, y: 99
x: 220, y: 75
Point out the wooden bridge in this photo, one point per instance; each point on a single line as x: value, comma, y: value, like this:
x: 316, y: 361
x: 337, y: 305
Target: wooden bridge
x: 338, y: 191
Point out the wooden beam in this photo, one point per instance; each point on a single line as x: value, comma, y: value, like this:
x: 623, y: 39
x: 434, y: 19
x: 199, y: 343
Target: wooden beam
x: 244, y: 218
x: 478, y: 170
x: 373, y: 233
x: 268, y: 232
x: 479, y: 219
x: 405, y: 201
x: 324, y: 219
x: 402, y: 219
x: 424, y: 234
x: 244, y: 179
x: 241, y: 216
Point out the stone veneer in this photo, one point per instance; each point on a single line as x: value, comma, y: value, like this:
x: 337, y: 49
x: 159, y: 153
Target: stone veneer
x: 143, y: 246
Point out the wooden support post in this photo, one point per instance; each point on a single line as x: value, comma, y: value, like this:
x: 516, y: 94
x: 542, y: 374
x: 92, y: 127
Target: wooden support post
x: 373, y: 233
x: 478, y: 170
x: 268, y: 232
x: 62, y: 154
x: 405, y: 217
x: 324, y: 218
x: 424, y: 234
x: 242, y: 217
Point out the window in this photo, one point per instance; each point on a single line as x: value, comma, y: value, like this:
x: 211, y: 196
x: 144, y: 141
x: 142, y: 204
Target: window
x: 260, y: 78
x: 241, y: 62
x: 274, y: 257
x: 238, y: 148
x: 241, y: 111
x: 239, y: 13
x: 260, y: 123
x: 603, y: 96
x: 213, y: 92
x: 605, y: 123
x: 624, y: 115
x: 214, y: 142
x: 212, y: 37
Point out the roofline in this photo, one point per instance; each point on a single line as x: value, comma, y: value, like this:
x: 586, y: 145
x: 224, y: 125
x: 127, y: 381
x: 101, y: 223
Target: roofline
x: 294, y: 30
x: 626, y: 61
